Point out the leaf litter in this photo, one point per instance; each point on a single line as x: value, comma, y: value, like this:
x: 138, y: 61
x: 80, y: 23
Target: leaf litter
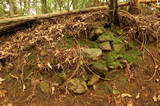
x: 33, y: 53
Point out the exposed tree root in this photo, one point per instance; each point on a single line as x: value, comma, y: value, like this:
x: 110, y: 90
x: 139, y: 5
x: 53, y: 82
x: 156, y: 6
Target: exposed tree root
x: 143, y: 28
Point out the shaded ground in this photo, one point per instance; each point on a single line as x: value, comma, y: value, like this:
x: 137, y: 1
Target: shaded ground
x: 43, y: 53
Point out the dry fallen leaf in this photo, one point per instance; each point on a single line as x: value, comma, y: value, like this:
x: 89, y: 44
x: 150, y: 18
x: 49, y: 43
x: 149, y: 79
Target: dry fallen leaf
x: 49, y: 65
x: 9, y: 104
x: 157, y: 80
x: 1, y: 80
x: 158, y: 97
x: 53, y: 90
x: 2, y: 93
x: 129, y: 104
x: 126, y: 95
x: 154, y: 98
x: 138, y: 96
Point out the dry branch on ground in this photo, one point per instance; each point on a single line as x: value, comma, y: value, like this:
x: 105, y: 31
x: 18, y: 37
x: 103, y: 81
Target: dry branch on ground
x: 142, y: 28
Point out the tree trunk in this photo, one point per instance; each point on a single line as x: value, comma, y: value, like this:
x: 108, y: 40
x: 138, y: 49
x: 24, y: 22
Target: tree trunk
x: 74, y: 3
x: 28, y: 6
x: 68, y: 5
x: 20, y: 3
x: 13, y: 8
x: 44, y: 7
x: 25, y: 6
x: 113, y: 12
x: 134, y: 7
x: 3, y: 7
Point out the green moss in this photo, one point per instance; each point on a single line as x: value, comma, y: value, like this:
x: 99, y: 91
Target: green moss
x: 112, y: 37
x: 132, y: 45
x: 114, y: 74
x: 108, y: 33
x: 31, y: 56
x: 70, y: 42
x: 115, y: 64
x: 111, y: 57
x: 103, y: 87
x: 118, y: 30
x: 89, y: 43
x: 66, y: 43
x: 84, y: 77
x: 100, y: 67
x: 132, y: 56
x: 122, y: 81
x: 102, y: 28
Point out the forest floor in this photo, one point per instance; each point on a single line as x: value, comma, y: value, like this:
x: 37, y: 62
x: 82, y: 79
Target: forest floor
x: 76, y: 61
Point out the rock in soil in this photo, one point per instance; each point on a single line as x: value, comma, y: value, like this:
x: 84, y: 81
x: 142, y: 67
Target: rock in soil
x: 44, y: 86
x: 117, y: 47
x: 104, y: 38
x: 93, y: 80
x: 106, y: 46
x: 95, y: 34
x: 92, y: 53
x: 77, y: 86
x: 100, y: 67
x: 99, y: 31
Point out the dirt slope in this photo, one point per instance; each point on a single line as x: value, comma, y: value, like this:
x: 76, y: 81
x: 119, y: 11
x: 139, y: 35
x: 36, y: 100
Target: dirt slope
x: 34, y: 63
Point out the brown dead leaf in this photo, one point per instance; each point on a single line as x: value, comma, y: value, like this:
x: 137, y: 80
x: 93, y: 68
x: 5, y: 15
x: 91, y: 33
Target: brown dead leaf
x: 1, y: 80
x: 125, y: 95
x: 158, y: 97
x: 154, y: 98
x: 3, y: 93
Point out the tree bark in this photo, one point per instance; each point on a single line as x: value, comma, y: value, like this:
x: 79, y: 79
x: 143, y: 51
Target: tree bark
x: 134, y: 7
x: 13, y: 8
x: 25, y: 6
x: 74, y: 3
x: 113, y: 12
x: 44, y: 6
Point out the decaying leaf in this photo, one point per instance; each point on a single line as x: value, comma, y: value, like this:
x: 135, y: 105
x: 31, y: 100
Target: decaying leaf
x: 125, y: 95
x: 1, y: 80
x: 49, y: 65
x: 2, y: 93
